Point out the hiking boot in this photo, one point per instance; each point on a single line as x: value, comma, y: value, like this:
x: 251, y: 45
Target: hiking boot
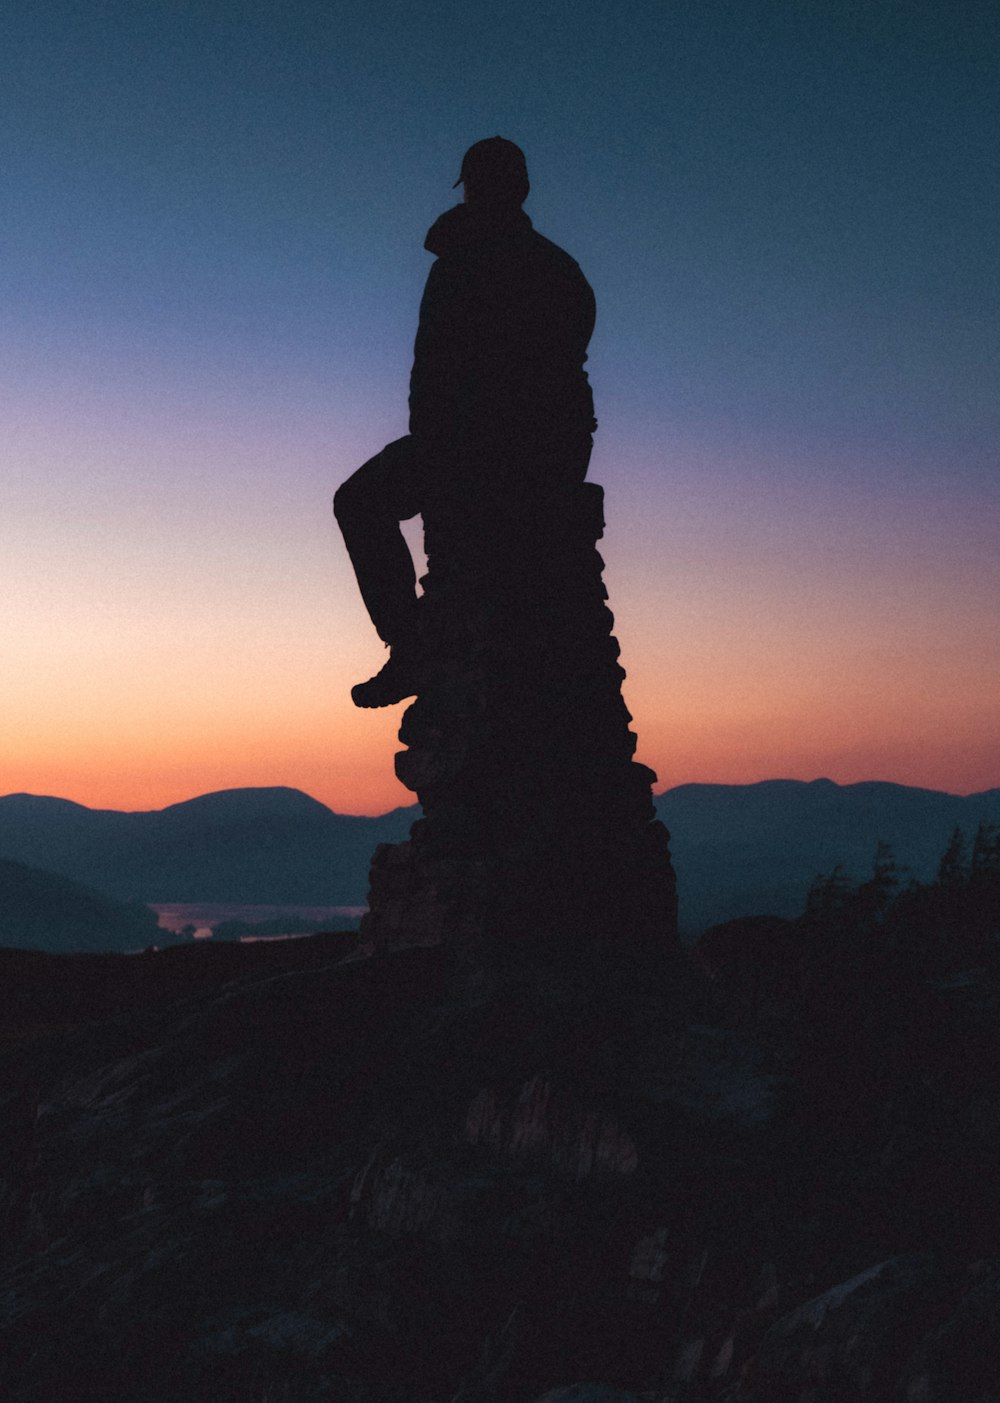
x: 398, y: 679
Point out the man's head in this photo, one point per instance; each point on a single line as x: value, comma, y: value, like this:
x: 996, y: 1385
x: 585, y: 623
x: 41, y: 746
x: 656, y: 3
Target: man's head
x: 494, y: 172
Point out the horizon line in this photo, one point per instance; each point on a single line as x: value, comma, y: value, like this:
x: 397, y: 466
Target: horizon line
x: 686, y: 784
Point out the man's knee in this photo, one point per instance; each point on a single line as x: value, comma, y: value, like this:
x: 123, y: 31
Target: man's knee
x: 387, y: 487
x: 361, y: 496
x: 345, y: 502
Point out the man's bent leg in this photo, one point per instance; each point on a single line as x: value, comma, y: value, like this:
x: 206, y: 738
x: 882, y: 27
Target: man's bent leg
x: 369, y: 506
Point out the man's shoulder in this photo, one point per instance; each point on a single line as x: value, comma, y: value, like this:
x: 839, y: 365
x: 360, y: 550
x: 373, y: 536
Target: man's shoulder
x: 543, y: 247
x: 555, y: 267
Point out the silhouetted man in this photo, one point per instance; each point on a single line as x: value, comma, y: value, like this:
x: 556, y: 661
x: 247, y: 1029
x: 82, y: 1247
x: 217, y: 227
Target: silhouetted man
x: 500, y: 403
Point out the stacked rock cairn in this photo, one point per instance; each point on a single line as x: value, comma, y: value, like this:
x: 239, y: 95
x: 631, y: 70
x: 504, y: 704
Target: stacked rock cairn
x: 538, y: 833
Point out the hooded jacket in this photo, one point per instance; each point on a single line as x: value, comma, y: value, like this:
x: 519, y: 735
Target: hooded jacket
x: 505, y: 320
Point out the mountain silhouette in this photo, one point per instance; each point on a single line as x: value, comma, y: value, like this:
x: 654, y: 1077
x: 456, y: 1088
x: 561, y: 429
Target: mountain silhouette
x: 275, y: 846
x: 44, y: 911
x: 755, y: 849
x: 738, y: 849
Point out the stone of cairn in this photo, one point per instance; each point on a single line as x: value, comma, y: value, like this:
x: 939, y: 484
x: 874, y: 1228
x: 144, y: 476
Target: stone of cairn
x: 538, y: 832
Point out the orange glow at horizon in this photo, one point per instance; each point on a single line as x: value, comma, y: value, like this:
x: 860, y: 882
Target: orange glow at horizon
x: 161, y: 647
x: 713, y: 750
x: 710, y: 721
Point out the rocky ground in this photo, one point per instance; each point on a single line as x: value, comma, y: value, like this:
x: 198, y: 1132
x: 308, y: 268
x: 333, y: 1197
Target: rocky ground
x: 272, y: 1173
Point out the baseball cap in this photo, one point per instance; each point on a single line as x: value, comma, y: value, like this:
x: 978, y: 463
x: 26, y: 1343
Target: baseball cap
x: 494, y: 161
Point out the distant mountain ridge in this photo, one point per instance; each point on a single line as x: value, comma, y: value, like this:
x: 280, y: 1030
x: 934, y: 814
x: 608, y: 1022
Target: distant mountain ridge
x: 756, y: 848
x: 269, y: 846
x: 738, y: 849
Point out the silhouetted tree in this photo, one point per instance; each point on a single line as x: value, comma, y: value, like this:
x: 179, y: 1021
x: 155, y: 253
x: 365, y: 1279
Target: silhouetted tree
x: 985, y: 865
x: 828, y: 895
x: 953, y: 869
x: 984, y: 886
x: 874, y: 897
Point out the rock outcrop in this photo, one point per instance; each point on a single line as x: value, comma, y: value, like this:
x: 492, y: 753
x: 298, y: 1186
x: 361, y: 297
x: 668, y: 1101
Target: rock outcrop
x: 538, y: 831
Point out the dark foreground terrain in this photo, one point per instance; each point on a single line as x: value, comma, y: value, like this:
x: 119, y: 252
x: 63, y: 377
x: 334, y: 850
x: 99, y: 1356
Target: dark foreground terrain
x: 252, y: 1174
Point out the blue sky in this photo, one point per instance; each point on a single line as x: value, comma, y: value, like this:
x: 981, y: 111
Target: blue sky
x: 212, y: 266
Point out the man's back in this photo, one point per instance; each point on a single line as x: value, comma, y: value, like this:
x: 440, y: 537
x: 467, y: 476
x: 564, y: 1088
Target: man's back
x: 504, y: 325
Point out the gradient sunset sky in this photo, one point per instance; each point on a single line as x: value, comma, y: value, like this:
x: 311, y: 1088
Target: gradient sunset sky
x: 211, y: 266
